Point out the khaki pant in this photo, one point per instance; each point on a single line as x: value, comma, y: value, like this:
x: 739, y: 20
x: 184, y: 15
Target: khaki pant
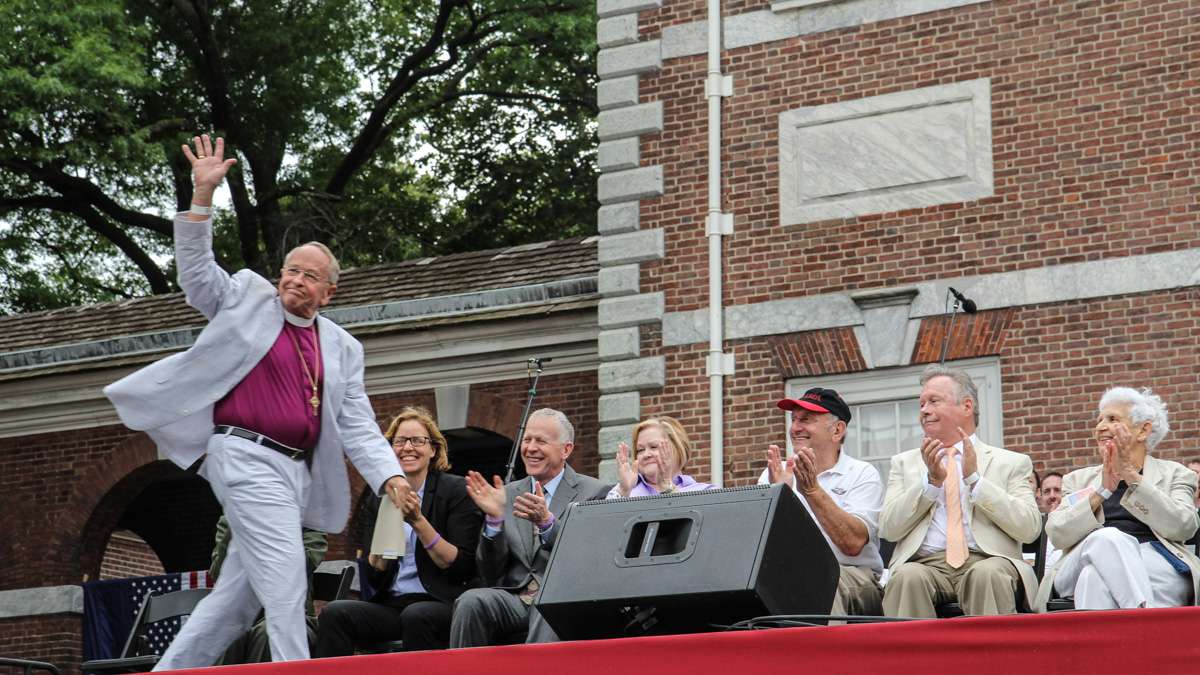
x: 984, y: 585
x: 858, y: 593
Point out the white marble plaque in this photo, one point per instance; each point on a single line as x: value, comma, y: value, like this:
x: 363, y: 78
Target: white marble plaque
x: 886, y: 153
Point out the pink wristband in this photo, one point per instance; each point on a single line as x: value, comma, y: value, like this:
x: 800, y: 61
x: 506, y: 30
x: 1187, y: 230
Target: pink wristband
x: 436, y: 539
x: 547, y: 524
x: 493, y: 522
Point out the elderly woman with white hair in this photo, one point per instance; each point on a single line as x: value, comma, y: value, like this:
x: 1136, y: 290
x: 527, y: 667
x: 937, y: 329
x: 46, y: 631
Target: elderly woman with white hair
x: 1122, y: 524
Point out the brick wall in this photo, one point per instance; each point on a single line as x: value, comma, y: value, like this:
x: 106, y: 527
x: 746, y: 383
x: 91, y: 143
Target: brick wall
x: 1061, y: 358
x: 1096, y: 133
x: 54, y: 638
x: 128, y: 555
x: 1096, y: 123
x: 39, y: 479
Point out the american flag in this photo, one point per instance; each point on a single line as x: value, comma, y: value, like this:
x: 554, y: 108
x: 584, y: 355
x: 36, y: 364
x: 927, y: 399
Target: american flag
x: 110, y: 608
x: 160, y: 634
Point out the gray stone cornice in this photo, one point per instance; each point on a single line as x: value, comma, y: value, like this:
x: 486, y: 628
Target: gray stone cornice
x: 27, y: 602
x: 1051, y: 284
x: 762, y: 26
x: 607, y: 8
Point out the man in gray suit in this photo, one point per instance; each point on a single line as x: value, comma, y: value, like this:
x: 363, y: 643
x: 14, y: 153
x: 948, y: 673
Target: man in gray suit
x: 521, y: 522
x: 272, y: 395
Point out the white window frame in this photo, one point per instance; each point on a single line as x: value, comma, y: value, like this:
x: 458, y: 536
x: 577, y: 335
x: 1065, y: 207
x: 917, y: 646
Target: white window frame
x: 892, y: 384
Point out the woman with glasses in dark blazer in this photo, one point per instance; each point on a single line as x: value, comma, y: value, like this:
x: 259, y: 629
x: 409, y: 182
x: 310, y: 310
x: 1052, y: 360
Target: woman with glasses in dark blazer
x: 410, y: 598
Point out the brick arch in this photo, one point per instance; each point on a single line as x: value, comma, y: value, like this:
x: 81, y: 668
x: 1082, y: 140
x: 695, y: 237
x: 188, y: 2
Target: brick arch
x: 494, y: 413
x: 96, y: 504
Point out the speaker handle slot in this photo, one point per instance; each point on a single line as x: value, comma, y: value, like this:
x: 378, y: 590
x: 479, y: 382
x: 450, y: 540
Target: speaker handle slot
x: 658, y: 537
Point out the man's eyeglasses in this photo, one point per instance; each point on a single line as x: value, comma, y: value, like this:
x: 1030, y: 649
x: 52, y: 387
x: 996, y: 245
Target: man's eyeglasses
x: 309, y: 275
x: 417, y: 441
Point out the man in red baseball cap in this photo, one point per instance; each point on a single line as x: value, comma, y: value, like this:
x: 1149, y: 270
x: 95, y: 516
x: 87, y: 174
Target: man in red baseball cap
x: 843, y: 494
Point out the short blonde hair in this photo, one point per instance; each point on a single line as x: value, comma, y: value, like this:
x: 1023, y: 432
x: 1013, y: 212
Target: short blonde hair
x: 441, y: 455
x: 673, y: 430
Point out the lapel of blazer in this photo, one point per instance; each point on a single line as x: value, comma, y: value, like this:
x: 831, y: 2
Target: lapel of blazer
x: 1152, y: 471
x: 432, y: 478
x: 522, y: 529
x: 331, y: 373
x: 331, y: 366
x: 568, y: 488
x: 983, y: 462
x: 983, y: 457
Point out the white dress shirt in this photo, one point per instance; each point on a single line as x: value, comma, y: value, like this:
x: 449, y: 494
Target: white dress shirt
x: 935, y: 537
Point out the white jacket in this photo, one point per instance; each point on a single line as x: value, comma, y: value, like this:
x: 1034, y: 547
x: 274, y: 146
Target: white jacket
x: 172, y: 399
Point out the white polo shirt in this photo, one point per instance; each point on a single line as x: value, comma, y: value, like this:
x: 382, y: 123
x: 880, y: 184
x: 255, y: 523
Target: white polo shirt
x: 857, y: 489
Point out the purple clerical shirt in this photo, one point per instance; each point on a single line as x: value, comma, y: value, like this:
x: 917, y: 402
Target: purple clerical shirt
x: 273, y: 398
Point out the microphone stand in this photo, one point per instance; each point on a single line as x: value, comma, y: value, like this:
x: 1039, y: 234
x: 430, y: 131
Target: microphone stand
x: 953, y: 308
x: 533, y: 371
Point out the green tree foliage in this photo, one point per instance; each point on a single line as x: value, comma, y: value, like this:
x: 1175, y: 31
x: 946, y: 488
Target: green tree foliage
x: 388, y: 128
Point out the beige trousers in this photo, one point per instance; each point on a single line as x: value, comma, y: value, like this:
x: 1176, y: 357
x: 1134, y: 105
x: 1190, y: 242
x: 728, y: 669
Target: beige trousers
x: 858, y: 593
x: 984, y: 585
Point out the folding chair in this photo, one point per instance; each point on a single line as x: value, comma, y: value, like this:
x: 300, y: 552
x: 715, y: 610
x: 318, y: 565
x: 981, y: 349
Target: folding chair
x: 330, y: 585
x: 134, y: 657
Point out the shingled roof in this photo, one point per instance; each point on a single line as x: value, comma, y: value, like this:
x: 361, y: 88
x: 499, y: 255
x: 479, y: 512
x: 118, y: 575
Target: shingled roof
x: 364, y: 295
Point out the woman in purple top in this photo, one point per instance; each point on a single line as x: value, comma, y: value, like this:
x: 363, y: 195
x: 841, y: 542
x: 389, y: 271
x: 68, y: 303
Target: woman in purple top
x: 661, y: 451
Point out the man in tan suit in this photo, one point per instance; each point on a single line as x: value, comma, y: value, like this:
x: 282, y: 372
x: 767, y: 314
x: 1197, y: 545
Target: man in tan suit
x: 1123, y: 523
x: 958, y: 510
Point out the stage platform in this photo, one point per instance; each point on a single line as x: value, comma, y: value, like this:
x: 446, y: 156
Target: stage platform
x: 1161, y: 641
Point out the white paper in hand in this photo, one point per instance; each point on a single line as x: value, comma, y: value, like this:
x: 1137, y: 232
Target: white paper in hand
x: 388, y: 541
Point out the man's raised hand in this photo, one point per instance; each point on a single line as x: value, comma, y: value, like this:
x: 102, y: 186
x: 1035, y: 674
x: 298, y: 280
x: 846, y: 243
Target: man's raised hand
x: 209, y: 167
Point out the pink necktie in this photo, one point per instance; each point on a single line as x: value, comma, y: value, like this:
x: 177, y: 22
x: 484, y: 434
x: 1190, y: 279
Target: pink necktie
x: 956, y: 537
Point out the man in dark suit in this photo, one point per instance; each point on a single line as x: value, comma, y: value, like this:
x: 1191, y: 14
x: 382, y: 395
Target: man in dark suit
x: 521, y: 522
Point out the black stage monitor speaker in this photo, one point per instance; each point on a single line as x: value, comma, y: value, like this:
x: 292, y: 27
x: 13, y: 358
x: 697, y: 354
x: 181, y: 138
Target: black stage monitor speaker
x: 682, y: 562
